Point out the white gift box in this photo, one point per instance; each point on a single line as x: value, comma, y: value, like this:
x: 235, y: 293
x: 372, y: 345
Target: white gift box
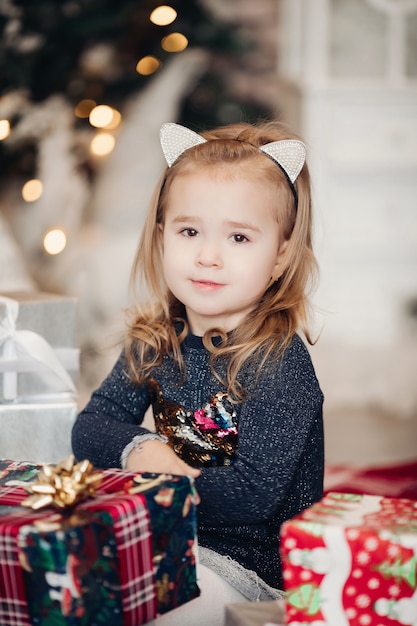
x: 37, y: 345
x: 38, y: 432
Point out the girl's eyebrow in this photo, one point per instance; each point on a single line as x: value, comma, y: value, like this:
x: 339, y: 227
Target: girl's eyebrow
x: 185, y: 218
x: 243, y: 226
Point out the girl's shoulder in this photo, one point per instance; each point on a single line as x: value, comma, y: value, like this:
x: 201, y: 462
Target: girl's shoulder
x: 297, y: 356
x: 293, y: 362
x: 294, y: 350
x: 297, y: 348
x: 290, y: 379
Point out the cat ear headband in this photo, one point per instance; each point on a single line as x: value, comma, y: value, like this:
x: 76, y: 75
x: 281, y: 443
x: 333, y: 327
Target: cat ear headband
x: 288, y: 154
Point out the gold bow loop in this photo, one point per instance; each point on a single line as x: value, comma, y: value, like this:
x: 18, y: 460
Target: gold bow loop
x: 63, y: 485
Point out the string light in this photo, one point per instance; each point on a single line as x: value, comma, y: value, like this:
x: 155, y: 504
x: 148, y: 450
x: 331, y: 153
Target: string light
x: 175, y: 42
x: 163, y: 15
x: 102, y: 144
x: 32, y: 190
x: 148, y: 65
x: 54, y: 241
x: 4, y: 129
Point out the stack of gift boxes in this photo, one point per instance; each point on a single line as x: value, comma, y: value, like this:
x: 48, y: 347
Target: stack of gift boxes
x: 39, y: 366
x: 122, y: 553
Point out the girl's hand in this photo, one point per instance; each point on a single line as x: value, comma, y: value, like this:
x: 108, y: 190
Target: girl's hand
x: 158, y: 457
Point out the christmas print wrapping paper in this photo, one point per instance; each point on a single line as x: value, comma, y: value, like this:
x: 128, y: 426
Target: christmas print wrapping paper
x: 120, y: 558
x: 38, y: 353
x: 350, y: 560
x: 37, y: 432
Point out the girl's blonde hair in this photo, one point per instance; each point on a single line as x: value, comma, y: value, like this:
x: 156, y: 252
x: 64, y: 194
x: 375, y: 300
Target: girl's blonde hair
x: 160, y: 327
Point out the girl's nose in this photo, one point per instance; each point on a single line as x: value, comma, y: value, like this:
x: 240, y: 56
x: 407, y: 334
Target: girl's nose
x: 208, y: 255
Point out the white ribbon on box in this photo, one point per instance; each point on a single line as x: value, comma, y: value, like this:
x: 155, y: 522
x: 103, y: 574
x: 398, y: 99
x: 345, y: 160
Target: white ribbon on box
x: 36, y: 349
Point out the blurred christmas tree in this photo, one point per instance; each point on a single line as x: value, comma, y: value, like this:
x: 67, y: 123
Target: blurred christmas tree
x: 88, y: 51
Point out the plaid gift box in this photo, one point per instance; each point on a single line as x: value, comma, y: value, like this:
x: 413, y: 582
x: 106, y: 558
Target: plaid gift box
x: 120, y: 558
x: 351, y: 560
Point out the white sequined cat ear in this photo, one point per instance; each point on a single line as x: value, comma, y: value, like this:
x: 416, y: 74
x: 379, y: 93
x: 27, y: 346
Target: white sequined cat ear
x: 290, y: 154
x: 176, y: 139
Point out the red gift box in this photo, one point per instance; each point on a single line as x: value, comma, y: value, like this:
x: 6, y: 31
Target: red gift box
x: 133, y: 542
x: 351, y: 560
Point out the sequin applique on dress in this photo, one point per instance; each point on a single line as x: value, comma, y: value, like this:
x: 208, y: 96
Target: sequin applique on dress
x: 204, y: 437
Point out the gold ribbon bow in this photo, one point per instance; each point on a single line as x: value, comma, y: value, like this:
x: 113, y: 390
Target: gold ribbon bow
x: 63, y: 485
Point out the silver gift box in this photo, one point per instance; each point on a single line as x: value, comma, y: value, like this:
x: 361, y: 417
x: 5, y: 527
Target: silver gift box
x: 53, y: 318
x: 38, y: 432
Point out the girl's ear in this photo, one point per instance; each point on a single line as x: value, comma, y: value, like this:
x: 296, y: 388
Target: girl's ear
x: 160, y: 236
x: 280, y: 261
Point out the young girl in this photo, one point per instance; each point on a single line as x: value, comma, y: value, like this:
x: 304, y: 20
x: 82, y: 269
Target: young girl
x: 226, y: 254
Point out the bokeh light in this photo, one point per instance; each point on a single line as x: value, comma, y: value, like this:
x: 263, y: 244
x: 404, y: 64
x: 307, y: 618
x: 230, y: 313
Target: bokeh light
x: 4, y: 129
x: 54, y: 241
x: 175, y: 42
x: 102, y: 144
x: 101, y: 115
x: 84, y: 107
x: 115, y: 122
x: 32, y: 190
x: 163, y: 15
x: 148, y: 65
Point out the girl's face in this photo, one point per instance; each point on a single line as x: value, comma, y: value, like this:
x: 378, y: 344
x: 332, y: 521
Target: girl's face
x: 221, y: 246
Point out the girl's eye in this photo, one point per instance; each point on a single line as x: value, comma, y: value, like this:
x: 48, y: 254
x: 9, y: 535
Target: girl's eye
x: 239, y: 238
x: 189, y: 232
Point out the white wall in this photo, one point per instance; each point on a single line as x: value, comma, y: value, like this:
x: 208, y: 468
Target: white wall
x: 348, y: 83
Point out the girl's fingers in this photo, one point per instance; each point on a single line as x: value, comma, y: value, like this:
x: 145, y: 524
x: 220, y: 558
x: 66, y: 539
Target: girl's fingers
x: 158, y: 457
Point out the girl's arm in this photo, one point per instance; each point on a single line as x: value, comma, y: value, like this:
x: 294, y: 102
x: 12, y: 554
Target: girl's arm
x: 279, y: 461
x: 109, y: 429
x: 110, y: 420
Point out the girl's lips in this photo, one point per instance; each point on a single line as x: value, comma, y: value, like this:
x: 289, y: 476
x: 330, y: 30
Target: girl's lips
x: 206, y: 284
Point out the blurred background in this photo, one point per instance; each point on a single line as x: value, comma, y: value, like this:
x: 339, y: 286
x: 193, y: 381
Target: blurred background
x: 84, y: 88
